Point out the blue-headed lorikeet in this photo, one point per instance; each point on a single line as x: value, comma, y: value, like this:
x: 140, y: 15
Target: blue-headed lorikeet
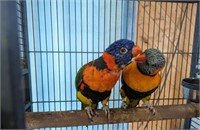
x: 95, y: 79
x: 141, y: 78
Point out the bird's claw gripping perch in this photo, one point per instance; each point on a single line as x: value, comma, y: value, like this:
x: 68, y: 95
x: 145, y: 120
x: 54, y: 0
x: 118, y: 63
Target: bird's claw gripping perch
x: 90, y: 112
x: 124, y: 105
x: 151, y: 108
x: 107, y: 111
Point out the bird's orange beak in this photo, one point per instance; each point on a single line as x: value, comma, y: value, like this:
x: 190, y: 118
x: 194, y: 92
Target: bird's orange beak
x: 137, y: 54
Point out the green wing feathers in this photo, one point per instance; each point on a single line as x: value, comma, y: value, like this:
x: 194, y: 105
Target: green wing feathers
x: 79, y: 77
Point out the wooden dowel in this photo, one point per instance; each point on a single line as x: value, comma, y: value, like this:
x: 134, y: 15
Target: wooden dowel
x: 80, y: 118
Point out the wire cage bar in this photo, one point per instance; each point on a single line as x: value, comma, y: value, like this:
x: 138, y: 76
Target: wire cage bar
x: 63, y: 35
x: 12, y: 113
x: 24, y: 56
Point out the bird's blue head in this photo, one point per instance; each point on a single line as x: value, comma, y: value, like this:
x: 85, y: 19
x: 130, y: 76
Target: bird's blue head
x: 123, y: 51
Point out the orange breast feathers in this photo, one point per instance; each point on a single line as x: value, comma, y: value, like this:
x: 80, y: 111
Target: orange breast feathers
x: 138, y: 81
x: 100, y: 80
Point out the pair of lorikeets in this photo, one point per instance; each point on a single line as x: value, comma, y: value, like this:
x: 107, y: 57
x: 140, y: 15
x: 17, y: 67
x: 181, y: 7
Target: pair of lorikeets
x: 140, y: 77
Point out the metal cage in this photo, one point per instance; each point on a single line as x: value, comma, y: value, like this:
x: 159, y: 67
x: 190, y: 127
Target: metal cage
x: 56, y: 38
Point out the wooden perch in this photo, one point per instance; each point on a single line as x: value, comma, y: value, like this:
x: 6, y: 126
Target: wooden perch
x: 80, y: 118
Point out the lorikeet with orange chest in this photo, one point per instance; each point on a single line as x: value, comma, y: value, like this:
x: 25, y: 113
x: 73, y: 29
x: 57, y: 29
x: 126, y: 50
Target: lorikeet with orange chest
x: 95, y: 79
x: 141, y: 78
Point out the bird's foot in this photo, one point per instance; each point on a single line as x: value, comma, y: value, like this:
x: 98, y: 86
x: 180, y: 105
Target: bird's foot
x: 107, y: 111
x: 124, y: 105
x: 90, y: 112
x: 150, y: 107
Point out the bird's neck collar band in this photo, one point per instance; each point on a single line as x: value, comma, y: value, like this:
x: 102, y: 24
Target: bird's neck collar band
x: 110, y: 61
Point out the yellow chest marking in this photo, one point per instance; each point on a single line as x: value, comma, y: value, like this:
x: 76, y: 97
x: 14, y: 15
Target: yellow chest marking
x: 100, y: 80
x: 138, y: 81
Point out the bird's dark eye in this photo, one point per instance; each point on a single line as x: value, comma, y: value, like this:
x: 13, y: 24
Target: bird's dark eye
x: 123, y: 50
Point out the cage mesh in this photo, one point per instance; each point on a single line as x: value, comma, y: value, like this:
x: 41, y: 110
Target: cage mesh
x: 63, y: 35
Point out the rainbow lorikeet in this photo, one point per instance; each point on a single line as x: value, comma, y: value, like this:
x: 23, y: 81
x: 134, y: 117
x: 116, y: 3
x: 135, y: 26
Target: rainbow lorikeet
x: 141, y: 78
x: 95, y: 79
